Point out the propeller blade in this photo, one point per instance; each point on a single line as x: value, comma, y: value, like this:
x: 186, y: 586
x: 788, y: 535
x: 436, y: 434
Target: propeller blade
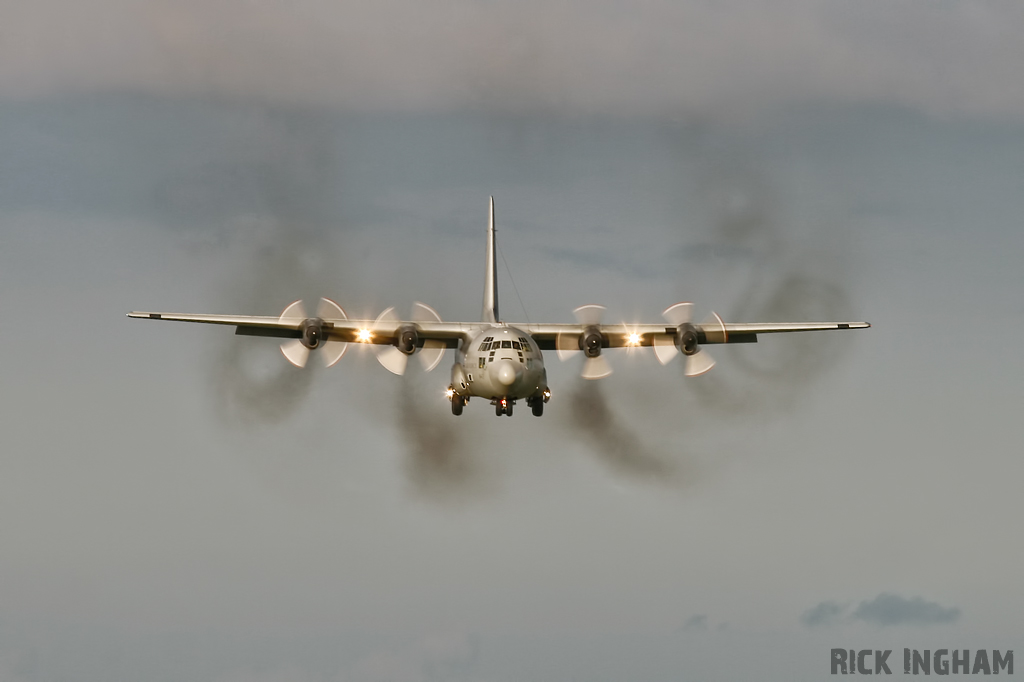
x: 698, y: 363
x: 665, y: 348
x: 296, y: 353
x: 329, y: 310
x: 678, y: 314
x: 567, y: 345
x: 393, y: 359
x: 421, y: 312
x: 431, y: 354
x: 331, y: 351
x: 714, y: 329
x: 295, y: 311
x: 385, y: 317
x: 589, y: 315
x: 596, y: 368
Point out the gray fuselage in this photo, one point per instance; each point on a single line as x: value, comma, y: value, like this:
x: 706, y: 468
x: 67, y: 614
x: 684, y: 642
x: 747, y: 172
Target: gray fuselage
x: 500, y: 362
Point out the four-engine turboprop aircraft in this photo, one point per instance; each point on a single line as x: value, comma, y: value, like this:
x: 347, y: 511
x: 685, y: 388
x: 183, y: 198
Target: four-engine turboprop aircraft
x: 498, y: 361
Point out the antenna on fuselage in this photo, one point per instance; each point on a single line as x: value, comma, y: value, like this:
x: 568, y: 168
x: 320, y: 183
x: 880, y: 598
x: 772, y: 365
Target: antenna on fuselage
x: 490, y: 311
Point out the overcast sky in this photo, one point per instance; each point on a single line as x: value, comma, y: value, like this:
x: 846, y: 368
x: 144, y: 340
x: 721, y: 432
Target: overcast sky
x: 178, y: 503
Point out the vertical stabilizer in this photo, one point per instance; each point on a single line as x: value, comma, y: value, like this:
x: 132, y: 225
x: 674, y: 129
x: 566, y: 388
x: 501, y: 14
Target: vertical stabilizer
x: 490, y: 313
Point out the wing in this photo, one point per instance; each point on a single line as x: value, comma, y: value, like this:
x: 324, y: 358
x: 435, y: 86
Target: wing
x: 632, y: 335
x: 382, y: 332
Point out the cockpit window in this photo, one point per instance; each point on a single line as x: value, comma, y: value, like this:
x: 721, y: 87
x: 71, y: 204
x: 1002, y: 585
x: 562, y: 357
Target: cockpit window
x: 515, y: 344
x: 506, y: 344
x: 484, y: 346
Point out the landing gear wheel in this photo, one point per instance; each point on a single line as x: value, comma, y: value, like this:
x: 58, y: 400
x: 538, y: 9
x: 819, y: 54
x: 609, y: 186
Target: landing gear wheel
x: 538, y: 407
x: 508, y: 410
x: 498, y: 411
x: 457, y: 405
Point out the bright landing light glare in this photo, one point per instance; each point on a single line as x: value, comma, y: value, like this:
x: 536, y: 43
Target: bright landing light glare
x: 363, y: 336
x: 633, y: 339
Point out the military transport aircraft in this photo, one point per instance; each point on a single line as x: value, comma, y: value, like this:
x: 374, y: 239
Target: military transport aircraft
x: 495, y: 360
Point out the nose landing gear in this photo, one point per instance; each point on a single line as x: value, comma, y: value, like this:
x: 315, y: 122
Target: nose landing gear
x: 503, y: 406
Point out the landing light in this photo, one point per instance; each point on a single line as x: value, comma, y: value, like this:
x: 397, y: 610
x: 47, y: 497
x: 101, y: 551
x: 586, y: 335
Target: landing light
x: 633, y: 340
x: 363, y: 336
x: 449, y: 392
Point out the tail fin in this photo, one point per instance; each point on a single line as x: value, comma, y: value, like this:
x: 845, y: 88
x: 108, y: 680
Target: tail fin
x: 490, y: 312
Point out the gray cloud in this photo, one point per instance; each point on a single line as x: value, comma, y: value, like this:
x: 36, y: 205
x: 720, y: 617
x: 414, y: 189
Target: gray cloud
x: 825, y: 613
x: 891, y: 609
x: 698, y: 622
x: 653, y: 58
x: 885, y: 609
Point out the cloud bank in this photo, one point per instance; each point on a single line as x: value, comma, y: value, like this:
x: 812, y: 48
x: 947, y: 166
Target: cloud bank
x: 885, y: 609
x: 650, y: 57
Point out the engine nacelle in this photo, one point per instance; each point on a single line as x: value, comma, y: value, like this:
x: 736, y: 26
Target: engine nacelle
x: 408, y: 339
x: 687, y: 339
x: 313, y: 333
x: 591, y: 341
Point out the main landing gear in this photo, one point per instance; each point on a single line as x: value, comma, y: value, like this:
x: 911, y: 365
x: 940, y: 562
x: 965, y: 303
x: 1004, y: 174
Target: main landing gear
x: 458, y: 401
x: 537, y: 402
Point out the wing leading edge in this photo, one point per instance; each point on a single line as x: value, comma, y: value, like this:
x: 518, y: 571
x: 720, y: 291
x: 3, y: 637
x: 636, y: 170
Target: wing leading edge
x: 632, y: 335
x: 378, y: 332
x: 452, y: 333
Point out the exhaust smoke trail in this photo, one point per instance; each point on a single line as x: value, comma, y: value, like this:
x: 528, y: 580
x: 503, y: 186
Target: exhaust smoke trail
x: 786, y: 281
x: 270, y: 184
x: 439, y: 462
x: 614, y: 442
x: 252, y: 382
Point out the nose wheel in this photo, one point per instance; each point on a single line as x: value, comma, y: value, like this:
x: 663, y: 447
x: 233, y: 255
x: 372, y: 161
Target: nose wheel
x: 503, y: 406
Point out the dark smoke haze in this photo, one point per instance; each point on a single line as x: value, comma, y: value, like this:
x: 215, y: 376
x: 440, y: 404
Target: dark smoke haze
x: 253, y: 383
x: 277, y: 169
x: 615, y: 442
x: 439, y: 462
x: 780, y: 279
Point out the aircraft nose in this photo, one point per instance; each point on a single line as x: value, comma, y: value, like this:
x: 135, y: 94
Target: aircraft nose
x: 505, y: 372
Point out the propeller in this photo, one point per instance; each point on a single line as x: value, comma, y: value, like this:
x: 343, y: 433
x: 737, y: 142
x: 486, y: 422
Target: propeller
x: 432, y: 351
x: 396, y: 357
x: 698, y: 361
x: 590, y: 341
x: 314, y: 333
